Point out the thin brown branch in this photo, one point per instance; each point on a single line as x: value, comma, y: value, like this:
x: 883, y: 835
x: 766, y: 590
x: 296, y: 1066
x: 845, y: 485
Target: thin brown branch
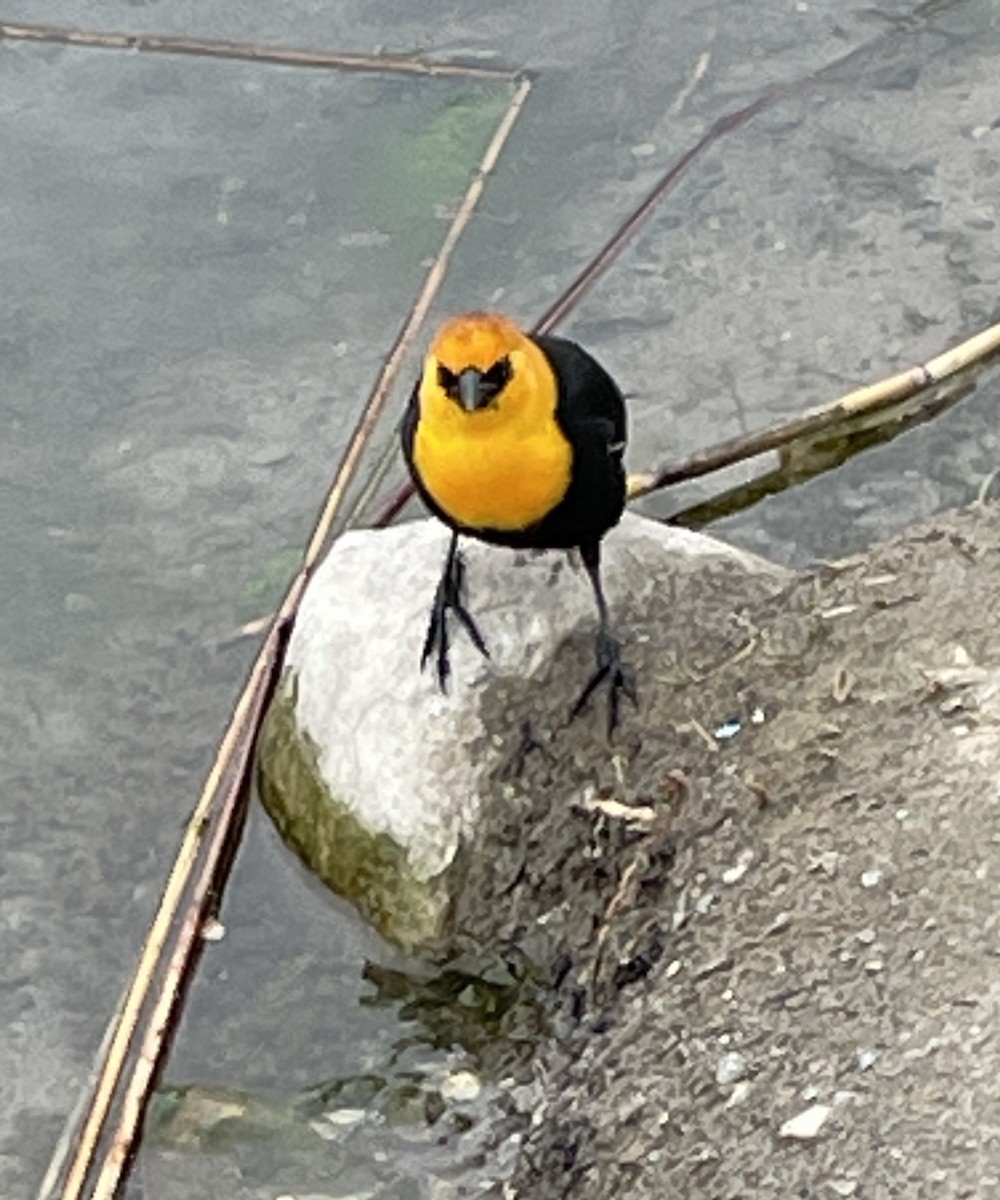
x: 602, y: 260
x: 622, y: 893
x: 232, y: 762
x: 247, y: 52
x: 727, y: 123
x: 887, y: 393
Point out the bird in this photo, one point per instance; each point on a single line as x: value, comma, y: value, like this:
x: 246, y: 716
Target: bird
x: 517, y: 439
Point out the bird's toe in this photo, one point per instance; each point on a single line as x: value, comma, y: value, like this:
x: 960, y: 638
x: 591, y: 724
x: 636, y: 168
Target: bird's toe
x: 612, y: 673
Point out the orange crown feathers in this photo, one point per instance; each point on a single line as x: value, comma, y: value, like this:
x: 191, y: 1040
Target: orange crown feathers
x: 476, y: 339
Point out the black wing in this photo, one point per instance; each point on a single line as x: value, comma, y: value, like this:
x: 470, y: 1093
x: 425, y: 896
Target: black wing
x: 591, y: 412
x: 409, y: 427
x: 589, y: 399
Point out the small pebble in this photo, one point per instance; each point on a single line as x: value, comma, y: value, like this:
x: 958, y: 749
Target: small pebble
x: 841, y: 610
x: 842, y: 1187
x: 826, y: 862
x: 871, y: 878
x: 730, y: 1068
x: 461, y: 1086
x: 344, y: 1116
x: 807, y: 1124
x: 780, y: 923
x: 736, y: 872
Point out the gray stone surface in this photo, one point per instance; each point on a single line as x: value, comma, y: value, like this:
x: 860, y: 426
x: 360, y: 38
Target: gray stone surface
x: 408, y: 764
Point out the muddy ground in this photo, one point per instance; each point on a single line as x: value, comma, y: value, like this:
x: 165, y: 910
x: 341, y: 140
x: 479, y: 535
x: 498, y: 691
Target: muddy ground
x: 804, y: 914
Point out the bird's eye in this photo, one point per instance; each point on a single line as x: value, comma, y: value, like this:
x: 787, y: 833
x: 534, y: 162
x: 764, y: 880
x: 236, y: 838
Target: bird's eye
x: 447, y: 381
x: 497, y: 377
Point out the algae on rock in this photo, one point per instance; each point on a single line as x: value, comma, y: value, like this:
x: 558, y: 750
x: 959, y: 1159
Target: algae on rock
x: 368, y: 868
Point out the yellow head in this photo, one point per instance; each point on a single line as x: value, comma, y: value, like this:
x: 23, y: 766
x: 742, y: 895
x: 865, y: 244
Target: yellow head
x: 487, y: 444
x: 482, y: 373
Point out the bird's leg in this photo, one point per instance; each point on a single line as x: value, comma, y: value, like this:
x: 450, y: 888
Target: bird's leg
x: 610, y: 668
x: 449, y: 596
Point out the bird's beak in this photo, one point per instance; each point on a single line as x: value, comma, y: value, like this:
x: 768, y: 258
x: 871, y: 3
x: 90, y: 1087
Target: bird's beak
x: 470, y: 390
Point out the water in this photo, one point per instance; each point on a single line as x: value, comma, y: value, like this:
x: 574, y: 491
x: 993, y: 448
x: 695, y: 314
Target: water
x: 203, y: 263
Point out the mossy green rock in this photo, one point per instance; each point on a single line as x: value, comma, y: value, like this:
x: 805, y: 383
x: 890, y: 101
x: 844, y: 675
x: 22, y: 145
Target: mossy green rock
x: 368, y: 868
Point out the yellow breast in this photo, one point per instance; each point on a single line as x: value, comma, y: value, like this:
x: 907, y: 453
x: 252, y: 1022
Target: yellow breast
x: 493, y: 479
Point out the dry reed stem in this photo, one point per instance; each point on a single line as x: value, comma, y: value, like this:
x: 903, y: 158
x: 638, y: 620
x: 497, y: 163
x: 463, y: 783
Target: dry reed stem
x: 614, y: 904
x: 51, y: 1177
x: 262, y: 674
x: 159, y: 931
x: 247, y: 52
x: 158, y: 1026
x: 862, y: 401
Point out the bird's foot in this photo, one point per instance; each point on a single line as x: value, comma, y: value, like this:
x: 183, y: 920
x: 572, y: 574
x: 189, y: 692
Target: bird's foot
x: 613, y: 673
x: 449, y: 596
x: 528, y: 744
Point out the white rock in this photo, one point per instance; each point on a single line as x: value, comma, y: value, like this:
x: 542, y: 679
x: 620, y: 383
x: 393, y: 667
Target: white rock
x: 390, y: 749
x: 461, y: 1087
x: 806, y: 1124
x: 731, y: 1067
x: 842, y: 1187
x: 344, y: 1117
x: 736, y: 872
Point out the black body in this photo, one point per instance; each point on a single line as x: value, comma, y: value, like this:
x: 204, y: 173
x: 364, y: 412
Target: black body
x: 591, y: 413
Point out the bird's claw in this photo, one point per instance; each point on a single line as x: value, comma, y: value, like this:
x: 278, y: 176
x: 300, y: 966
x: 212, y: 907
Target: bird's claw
x: 612, y: 672
x: 449, y: 596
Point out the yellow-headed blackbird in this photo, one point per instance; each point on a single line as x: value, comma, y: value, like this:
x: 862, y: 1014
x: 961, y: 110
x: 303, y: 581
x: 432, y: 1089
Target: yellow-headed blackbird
x: 517, y: 439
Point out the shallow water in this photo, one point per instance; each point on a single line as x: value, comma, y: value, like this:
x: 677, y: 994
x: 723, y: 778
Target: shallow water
x: 203, y: 264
